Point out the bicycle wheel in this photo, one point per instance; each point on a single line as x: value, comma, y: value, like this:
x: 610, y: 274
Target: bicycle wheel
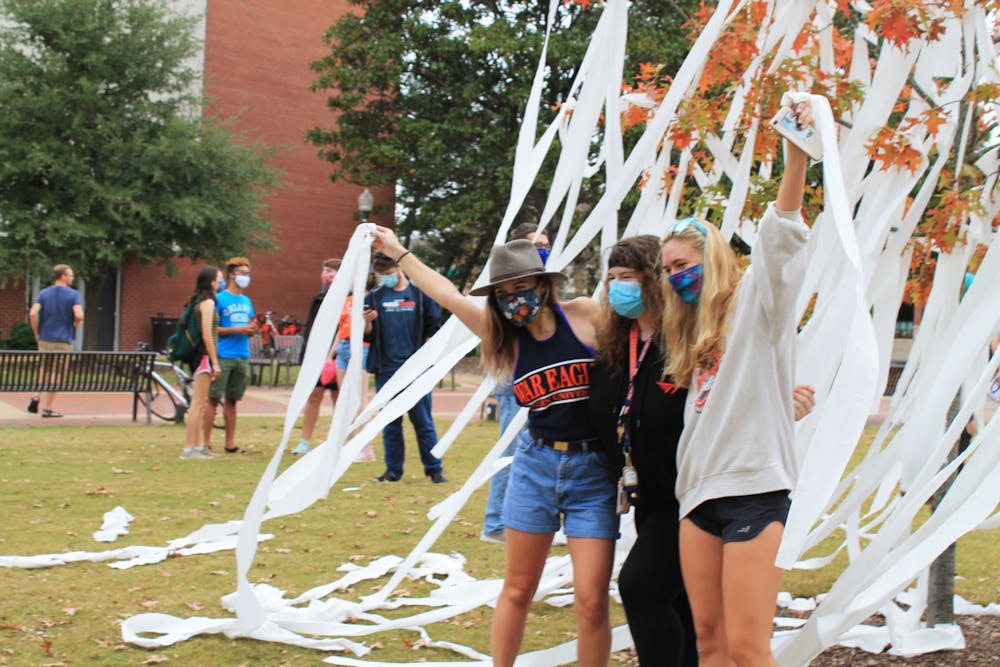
x: 163, y: 403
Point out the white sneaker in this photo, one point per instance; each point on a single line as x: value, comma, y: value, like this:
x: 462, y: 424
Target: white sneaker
x: 365, y: 456
x: 301, y: 448
x: 493, y: 538
x: 194, y: 453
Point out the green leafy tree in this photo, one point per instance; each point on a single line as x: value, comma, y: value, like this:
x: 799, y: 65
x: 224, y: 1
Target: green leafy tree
x: 103, y: 153
x: 429, y: 97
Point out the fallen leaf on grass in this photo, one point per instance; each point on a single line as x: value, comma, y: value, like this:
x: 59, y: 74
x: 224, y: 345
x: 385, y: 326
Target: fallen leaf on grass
x: 149, y: 604
x: 222, y: 573
x: 70, y: 611
x: 155, y: 659
x: 121, y: 471
x: 195, y: 606
x: 99, y: 491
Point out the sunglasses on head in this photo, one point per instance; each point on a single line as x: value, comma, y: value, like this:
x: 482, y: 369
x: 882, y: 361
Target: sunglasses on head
x: 681, y: 225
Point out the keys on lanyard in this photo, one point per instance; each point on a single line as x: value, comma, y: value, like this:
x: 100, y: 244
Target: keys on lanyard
x: 628, y: 484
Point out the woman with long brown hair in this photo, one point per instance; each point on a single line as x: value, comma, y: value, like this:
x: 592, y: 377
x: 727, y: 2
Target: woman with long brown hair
x: 562, y: 476
x: 205, y: 367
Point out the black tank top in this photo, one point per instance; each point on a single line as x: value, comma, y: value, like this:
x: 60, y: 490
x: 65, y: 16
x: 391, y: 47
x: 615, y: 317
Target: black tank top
x: 552, y: 380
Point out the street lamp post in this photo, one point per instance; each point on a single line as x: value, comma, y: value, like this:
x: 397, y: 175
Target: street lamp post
x: 366, y: 201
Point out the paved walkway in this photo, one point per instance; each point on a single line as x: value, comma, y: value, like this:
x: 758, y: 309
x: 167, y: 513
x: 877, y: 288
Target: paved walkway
x: 116, y: 408
x: 82, y: 408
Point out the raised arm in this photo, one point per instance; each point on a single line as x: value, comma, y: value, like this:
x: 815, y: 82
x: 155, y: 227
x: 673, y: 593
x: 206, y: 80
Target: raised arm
x: 793, y: 181
x: 431, y: 283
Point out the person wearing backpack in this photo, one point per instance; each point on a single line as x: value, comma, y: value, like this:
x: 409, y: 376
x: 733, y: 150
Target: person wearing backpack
x: 200, y: 323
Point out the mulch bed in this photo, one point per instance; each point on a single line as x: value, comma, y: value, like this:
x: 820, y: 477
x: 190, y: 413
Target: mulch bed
x: 982, y: 647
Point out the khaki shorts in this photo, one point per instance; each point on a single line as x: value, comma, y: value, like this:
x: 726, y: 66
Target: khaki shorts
x: 47, y: 346
x: 234, y: 376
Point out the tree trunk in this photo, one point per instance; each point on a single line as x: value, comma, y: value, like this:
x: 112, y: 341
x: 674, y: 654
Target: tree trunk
x: 941, y: 584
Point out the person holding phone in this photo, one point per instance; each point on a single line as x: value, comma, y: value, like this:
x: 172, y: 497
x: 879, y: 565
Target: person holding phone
x: 729, y: 339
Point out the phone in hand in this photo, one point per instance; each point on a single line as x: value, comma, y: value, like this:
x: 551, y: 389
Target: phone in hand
x: 786, y: 123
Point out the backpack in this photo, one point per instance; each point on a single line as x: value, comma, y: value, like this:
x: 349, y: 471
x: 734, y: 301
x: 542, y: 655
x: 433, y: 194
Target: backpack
x: 185, y: 343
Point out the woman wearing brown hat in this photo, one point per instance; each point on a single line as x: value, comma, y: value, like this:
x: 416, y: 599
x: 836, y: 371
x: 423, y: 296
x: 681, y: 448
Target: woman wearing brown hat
x: 562, y: 476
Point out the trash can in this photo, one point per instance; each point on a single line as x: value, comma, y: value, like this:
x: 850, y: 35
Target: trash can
x: 163, y: 328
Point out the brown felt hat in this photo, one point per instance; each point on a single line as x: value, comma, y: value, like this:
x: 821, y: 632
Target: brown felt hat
x: 513, y: 260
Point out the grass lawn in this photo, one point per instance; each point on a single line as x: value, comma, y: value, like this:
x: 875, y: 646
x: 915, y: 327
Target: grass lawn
x: 56, y: 482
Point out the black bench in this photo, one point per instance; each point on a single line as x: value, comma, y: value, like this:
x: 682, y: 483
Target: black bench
x: 35, y: 371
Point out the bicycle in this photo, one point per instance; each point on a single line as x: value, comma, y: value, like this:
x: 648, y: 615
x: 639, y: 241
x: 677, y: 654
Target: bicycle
x: 170, y: 390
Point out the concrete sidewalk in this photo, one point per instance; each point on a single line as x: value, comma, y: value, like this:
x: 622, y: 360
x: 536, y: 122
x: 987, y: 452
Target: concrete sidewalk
x: 116, y: 408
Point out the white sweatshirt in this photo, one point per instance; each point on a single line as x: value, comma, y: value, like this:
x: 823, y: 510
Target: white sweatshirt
x: 738, y: 437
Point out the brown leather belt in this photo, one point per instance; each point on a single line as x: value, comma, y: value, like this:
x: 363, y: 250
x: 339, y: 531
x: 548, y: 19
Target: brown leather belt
x: 590, y: 445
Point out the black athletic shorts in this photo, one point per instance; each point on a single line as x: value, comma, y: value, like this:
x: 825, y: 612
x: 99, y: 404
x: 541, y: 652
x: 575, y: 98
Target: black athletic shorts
x: 741, y: 518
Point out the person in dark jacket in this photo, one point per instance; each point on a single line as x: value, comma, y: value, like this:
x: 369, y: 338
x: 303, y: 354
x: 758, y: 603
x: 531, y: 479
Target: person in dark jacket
x: 399, y: 318
x: 650, y: 581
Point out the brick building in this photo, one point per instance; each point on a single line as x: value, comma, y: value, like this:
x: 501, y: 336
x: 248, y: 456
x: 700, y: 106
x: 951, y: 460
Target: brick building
x: 255, y: 67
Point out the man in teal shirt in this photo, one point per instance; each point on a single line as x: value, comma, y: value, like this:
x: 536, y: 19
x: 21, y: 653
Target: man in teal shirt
x: 236, y: 325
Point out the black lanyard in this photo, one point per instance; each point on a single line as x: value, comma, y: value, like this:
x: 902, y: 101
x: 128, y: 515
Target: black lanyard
x: 633, y: 364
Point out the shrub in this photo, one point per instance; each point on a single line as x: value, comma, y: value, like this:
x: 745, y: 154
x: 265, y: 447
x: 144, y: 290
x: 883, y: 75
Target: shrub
x: 21, y: 338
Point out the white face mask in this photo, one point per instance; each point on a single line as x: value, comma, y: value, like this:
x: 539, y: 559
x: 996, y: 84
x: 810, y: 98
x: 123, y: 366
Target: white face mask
x: 242, y: 281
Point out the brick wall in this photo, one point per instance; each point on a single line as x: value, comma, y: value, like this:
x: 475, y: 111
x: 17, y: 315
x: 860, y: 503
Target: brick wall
x: 257, y: 55
x: 13, y: 307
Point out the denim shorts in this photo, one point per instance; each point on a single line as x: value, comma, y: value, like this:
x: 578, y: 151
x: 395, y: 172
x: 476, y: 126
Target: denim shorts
x: 546, y: 486
x: 741, y: 518
x: 344, y: 354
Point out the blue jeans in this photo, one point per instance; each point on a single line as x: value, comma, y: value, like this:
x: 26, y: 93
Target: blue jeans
x: 507, y: 407
x: 423, y: 424
x: 575, y: 489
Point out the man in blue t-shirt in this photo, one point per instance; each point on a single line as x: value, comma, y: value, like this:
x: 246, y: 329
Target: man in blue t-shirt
x: 236, y: 325
x: 398, y: 319
x: 54, y: 317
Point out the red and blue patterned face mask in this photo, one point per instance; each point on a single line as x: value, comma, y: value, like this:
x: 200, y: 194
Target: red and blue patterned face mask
x: 520, y: 307
x: 687, y: 283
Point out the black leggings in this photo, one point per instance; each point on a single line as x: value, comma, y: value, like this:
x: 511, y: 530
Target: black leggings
x: 653, y: 594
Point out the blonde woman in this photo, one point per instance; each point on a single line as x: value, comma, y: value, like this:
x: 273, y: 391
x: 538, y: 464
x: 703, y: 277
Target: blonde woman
x: 729, y: 339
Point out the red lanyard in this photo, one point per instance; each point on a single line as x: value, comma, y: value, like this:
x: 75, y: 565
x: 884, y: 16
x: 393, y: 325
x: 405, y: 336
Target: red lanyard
x: 633, y: 365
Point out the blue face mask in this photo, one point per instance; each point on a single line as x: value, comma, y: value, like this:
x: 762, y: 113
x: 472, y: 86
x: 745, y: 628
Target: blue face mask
x: 544, y: 254
x: 687, y: 283
x: 222, y: 285
x: 520, y: 307
x: 389, y: 280
x: 625, y: 296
